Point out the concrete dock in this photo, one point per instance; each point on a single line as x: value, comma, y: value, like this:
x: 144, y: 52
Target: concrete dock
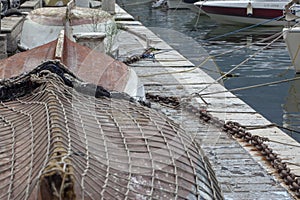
x: 242, y: 170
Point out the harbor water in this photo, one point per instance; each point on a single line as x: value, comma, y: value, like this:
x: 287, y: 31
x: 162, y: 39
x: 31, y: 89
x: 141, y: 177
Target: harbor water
x: 279, y: 103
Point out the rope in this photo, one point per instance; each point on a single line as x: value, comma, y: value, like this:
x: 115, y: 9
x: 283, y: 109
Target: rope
x: 212, y: 57
x: 198, y: 17
x: 276, y: 125
x: 138, y: 3
x: 243, y: 62
x: 251, y: 87
x: 296, y: 164
x: 296, y: 55
x: 177, y: 72
x: 246, y: 28
x: 284, y: 143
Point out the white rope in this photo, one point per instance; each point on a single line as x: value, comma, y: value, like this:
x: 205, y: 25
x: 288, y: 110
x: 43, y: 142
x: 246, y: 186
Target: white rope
x: 48, y: 132
x: 12, y: 175
x: 252, y: 86
x: 242, y: 63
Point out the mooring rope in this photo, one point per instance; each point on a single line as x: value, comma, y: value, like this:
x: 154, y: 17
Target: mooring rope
x: 137, y: 3
x: 177, y: 72
x: 272, y: 125
x: 284, y: 143
x: 242, y: 63
x: 276, y: 35
x: 246, y: 28
x: 251, y: 86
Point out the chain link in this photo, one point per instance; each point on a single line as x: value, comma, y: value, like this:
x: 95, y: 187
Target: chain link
x: 236, y: 130
x: 173, y: 101
x: 135, y: 58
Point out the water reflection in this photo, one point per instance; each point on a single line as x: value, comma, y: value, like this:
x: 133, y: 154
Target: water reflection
x: 291, y: 109
x: 238, y: 34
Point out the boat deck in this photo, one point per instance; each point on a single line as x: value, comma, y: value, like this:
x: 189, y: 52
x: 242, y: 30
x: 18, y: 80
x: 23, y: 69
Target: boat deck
x: 242, y: 170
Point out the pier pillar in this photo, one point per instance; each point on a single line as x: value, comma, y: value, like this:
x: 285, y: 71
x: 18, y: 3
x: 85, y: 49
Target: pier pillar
x: 109, y: 6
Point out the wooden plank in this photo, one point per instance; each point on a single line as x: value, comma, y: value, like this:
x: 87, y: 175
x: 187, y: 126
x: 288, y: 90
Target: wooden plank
x: 8, y: 24
x: 121, y: 14
x: 28, y: 6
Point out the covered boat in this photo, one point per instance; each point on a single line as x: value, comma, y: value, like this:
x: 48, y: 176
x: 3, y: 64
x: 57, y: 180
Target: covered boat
x: 88, y: 64
x: 263, y: 12
x: 66, y: 135
x: 60, y: 143
x: 68, y: 131
x: 50, y: 21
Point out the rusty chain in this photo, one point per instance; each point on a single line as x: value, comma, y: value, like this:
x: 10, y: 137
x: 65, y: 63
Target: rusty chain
x: 236, y: 130
x: 135, y: 58
x: 173, y: 101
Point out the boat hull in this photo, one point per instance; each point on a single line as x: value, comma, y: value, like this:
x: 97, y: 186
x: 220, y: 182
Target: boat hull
x: 291, y: 37
x: 244, y: 12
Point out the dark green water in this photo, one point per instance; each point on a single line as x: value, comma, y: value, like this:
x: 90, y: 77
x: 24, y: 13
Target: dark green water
x: 279, y: 103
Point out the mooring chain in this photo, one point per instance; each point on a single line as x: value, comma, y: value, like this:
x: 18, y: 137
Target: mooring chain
x: 135, y: 58
x: 173, y: 101
x: 236, y: 130
x: 290, y: 179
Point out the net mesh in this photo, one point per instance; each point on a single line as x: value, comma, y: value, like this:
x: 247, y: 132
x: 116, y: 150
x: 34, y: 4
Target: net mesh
x: 58, y: 143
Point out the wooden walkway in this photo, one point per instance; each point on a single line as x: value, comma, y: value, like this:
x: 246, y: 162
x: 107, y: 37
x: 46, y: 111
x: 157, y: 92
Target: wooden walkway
x: 242, y: 171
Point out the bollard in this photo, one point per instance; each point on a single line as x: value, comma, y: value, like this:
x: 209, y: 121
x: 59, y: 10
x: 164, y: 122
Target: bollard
x: 109, y: 6
x: 93, y: 40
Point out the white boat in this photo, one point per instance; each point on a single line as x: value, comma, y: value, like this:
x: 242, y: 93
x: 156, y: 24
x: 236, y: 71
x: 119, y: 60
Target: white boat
x: 262, y: 12
x: 291, y: 36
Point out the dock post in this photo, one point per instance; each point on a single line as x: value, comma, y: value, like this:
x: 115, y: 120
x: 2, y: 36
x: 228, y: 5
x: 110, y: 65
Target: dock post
x: 109, y: 6
x: 93, y: 40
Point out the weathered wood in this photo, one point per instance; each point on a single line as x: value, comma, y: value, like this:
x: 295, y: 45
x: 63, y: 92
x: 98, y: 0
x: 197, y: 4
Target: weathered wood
x: 28, y: 6
x: 12, y: 27
x: 3, y: 46
x: 93, y: 40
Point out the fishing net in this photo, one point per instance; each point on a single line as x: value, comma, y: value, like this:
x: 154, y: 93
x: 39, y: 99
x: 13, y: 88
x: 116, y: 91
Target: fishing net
x: 58, y: 142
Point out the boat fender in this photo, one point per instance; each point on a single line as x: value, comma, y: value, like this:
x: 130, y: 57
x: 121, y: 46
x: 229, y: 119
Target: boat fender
x: 249, y: 10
